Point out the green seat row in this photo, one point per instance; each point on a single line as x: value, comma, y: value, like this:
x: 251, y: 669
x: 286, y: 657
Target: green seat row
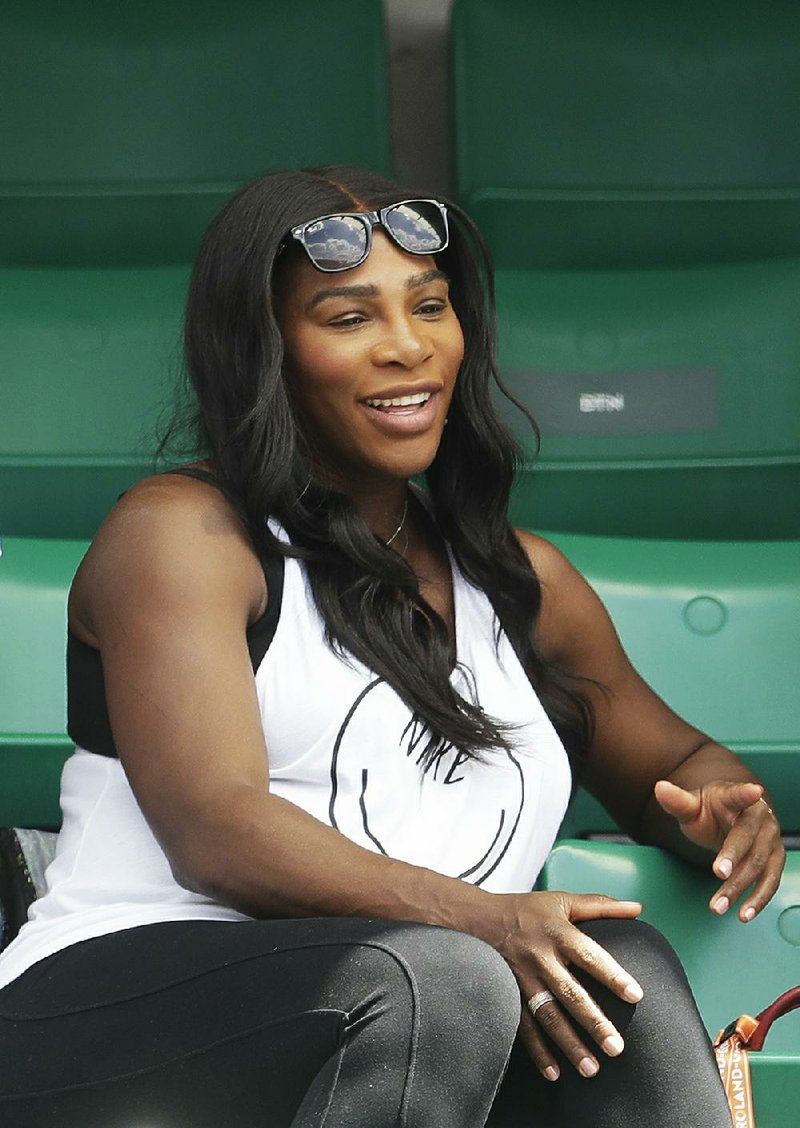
x: 125, y: 127
x: 713, y: 627
x: 91, y: 363
x: 638, y: 180
x: 124, y: 130
x: 665, y: 384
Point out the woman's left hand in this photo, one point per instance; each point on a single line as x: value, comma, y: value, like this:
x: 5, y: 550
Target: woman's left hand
x: 735, y: 820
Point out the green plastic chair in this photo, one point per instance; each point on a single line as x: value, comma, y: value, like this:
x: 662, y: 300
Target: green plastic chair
x: 125, y: 127
x: 638, y: 180
x: 90, y: 360
x: 713, y: 628
x: 35, y: 576
x: 733, y: 968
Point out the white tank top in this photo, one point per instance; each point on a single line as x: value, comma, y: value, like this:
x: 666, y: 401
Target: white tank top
x: 343, y: 746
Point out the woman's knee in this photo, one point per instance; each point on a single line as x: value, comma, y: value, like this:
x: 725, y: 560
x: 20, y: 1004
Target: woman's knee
x: 459, y: 976
x: 642, y: 950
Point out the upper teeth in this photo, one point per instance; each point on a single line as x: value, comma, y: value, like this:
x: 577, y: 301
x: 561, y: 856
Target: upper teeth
x: 400, y: 401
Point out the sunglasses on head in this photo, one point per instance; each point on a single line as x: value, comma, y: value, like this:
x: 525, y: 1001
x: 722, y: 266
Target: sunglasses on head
x: 342, y: 241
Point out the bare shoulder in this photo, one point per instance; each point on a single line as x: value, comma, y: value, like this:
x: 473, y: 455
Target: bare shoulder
x: 549, y: 563
x: 168, y: 540
x: 571, y: 612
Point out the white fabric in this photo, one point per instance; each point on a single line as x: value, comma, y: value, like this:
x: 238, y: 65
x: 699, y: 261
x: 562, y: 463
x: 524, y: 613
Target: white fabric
x: 343, y: 746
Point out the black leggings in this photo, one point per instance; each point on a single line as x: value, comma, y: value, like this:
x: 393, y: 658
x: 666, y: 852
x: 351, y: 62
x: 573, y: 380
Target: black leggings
x: 331, y: 1024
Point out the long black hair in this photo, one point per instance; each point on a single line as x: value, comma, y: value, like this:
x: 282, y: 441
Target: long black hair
x: 246, y: 426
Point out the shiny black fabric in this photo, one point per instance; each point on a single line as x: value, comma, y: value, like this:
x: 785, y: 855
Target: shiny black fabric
x: 329, y: 1024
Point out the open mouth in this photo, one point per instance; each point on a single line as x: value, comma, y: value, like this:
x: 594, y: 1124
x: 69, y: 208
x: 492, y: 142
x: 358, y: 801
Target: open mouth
x: 400, y: 404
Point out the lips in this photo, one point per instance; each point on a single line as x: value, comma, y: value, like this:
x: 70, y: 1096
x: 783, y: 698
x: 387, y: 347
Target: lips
x: 406, y: 414
x: 399, y: 403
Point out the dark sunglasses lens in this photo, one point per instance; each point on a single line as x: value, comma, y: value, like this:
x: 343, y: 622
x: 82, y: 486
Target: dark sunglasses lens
x: 418, y: 226
x: 337, y: 242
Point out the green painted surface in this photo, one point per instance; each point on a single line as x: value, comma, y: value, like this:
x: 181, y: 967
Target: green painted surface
x: 125, y: 126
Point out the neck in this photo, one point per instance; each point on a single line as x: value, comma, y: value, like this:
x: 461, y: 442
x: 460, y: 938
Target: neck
x: 383, y: 509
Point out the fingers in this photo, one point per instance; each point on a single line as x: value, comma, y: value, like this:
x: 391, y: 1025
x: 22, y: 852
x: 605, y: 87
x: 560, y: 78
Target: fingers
x: 561, y: 1012
x: 590, y: 957
x: 737, y: 797
x: 751, y: 855
x: 550, y: 1019
x: 548, y: 1027
x: 543, y: 946
x: 591, y: 906
x: 676, y: 801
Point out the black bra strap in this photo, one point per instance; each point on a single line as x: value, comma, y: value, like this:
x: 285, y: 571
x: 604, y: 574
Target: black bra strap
x: 260, y: 633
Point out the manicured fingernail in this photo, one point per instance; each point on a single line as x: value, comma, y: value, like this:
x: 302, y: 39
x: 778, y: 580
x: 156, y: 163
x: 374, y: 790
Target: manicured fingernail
x: 588, y: 1067
x: 633, y: 993
x: 551, y: 1073
x: 613, y: 1045
x: 724, y: 867
x: 748, y: 913
x: 721, y: 905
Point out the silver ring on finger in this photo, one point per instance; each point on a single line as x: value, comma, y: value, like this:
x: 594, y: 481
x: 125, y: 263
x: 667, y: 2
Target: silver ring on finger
x: 537, y: 1001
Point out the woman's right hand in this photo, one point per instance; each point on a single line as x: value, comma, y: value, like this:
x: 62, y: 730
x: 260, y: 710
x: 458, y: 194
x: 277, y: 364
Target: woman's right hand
x: 541, y: 945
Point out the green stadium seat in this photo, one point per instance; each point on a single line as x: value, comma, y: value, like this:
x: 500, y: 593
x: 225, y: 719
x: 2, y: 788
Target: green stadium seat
x: 90, y: 359
x: 35, y: 576
x: 733, y: 968
x: 124, y: 130
x: 713, y: 628
x: 638, y: 180
x: 125, y: 127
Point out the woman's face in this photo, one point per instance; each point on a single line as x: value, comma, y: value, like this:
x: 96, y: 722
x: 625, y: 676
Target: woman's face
x: 372, y: 356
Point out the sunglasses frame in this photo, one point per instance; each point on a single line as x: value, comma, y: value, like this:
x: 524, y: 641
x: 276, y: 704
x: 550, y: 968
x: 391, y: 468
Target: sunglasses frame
x: 370, y: 219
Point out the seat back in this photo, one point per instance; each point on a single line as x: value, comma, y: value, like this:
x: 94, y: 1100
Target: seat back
x: 732, y: 968
x: 642, y: 201
x: 35, y: 576
x: 591, y: 137
x: 125, y: 127
x: 713, y: 628
x: 90, y: 363
x: 668, y: 400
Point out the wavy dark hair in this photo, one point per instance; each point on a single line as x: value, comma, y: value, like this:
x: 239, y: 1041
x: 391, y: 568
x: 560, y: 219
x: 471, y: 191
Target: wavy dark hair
x: 246, y: 426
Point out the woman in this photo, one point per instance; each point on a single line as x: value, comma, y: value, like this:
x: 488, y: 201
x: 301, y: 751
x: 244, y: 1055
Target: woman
x: 327, y: 724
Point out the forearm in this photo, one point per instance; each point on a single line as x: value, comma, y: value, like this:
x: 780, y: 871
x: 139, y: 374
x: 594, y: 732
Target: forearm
x: 273, y: 859
x: 709, y: 762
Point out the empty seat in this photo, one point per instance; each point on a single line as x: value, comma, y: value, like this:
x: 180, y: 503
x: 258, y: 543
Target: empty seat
x: 124, y: 130
x: 713, y: 628
x: 638, y: 180
x: 90, y: 359
x: 733, y: 968
x: 34, y: 581
x: 126, y: 127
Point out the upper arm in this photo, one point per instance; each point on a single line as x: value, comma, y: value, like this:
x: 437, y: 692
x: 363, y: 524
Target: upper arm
x: 166, y: 593
x: 638, y: 739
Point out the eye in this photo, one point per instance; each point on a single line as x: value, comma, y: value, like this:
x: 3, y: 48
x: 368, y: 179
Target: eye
x: 432, y: 307
x: 347, y: 321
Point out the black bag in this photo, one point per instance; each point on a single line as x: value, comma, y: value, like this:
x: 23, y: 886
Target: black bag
x: 24, y: 857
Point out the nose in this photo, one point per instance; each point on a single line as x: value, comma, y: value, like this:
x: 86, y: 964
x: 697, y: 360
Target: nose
x: 405, y: 344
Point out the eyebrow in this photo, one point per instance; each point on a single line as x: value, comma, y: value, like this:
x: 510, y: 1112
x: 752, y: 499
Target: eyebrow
x: 426, y: 277
x: 373, y: 291
x: 342, y: 292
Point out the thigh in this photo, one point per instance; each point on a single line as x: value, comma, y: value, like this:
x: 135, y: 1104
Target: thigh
x: 245, y: 1024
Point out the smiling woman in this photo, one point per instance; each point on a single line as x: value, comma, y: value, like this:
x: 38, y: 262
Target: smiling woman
x: 368, y: 364
x: 327, y: 722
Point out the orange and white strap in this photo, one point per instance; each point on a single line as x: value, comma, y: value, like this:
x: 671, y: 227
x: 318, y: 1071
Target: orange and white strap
x: 730, y: 1047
